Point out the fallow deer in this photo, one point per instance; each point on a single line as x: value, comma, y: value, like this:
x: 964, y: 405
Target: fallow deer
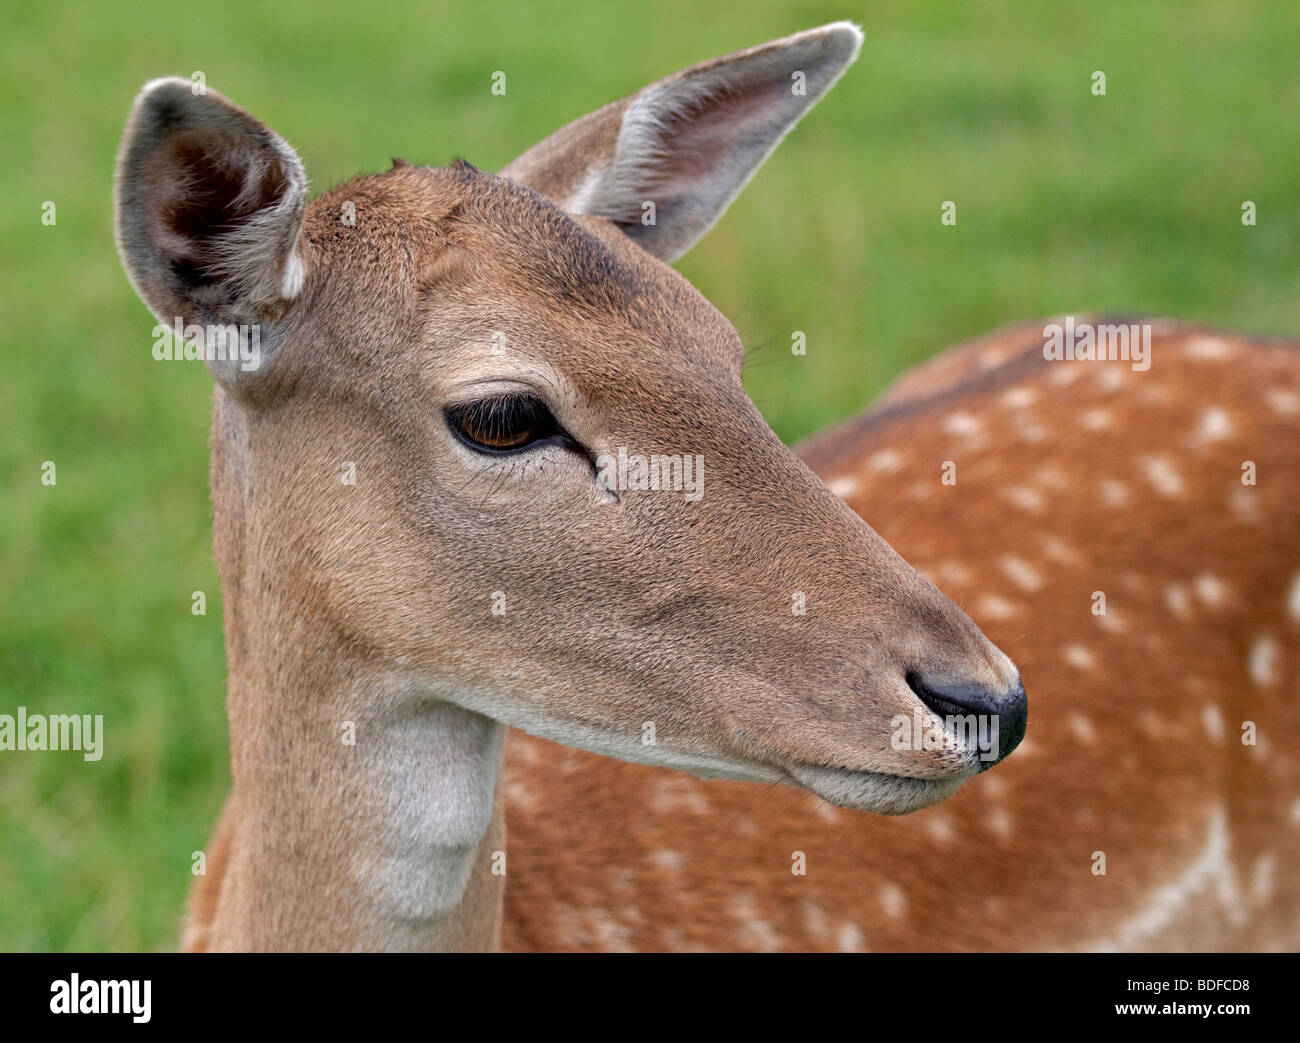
x: 418, y: 548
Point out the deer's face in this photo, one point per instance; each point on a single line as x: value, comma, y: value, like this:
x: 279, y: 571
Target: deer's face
x: 508, y: 450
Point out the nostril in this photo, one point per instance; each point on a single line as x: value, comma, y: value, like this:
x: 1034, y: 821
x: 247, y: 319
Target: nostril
x: 1010, y: 708
x: 952, y: 699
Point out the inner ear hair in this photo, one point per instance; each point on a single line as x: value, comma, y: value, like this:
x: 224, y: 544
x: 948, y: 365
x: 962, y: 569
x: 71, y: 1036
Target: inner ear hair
x: 666, y: 163
x: 209, y: 207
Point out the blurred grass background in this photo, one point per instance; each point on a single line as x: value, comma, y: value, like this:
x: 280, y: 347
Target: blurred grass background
x: 1066, y: 202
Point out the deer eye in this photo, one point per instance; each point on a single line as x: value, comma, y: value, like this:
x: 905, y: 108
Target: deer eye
x: 503, y: 424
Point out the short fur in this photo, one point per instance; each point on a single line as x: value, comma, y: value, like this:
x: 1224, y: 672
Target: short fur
x: 365, y: 607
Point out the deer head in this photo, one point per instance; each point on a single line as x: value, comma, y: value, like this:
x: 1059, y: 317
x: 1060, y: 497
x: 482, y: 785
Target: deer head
x: 429, y: 460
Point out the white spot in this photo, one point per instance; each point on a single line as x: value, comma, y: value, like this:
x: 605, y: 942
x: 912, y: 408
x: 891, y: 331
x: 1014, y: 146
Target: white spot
x: 994, y: 607
x: 1079, y: 657
x: 965, y: 425
x: 992, y: 358
x: 666, y: 858
x: 851, y: 939
x: 1111, y: 378
x: 1111, y: 622
x: 1060, y: 552
x: 1178, y: 601
x: 1210, y: 870
x: 1024, y: 497
x: 1285, y: 402
x: 1021, y: 573
x: 1244, y: 504
x: 1207, y: 348
x: 1215, y: 426
x: 1161, y: 474
x: 844, y: 486
x: 1000, y: 823
x: 524, y: 752
x: 612, y: 935
x: 886, y: 461
x: 1210, y: 590
x: 1293, y: 598
x: 1052, y: 478
x: 1082, y: 727
x: 1032, y: 433
x: 755, y: 933
x: 1263, y: 664
x: 828, y: 813
x: 962, y: 424
x: 952, y: 573
x: 521, y: 796
x: 1264, y: 878
x: 1295, y: 810
x: 1019, y: 397
x: 814, y: 919
x: 1115, y: 493
x: 1212, y: 719
x: 1095, y: 419
x: 893, y: 900
x: 1066, y: 373
x: 939, y: 826
x: 676, y: 792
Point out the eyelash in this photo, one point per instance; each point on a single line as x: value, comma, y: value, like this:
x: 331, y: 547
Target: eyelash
x: 505, y: 424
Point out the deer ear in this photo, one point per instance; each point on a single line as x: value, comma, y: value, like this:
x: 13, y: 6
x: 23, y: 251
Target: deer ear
x: 208, y: 210
x: 689, y: 143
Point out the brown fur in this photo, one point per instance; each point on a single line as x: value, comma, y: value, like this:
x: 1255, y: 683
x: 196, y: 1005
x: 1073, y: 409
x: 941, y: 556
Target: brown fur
x: 1120, y: 757
x: 366, y: 605
x: 607, y: 855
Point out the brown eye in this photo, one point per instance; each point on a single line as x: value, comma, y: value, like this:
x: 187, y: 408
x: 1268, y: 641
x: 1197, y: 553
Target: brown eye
x: 505, y: 424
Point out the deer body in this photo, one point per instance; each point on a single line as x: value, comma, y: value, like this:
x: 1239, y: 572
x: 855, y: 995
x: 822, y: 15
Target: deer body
x: 420, y: 549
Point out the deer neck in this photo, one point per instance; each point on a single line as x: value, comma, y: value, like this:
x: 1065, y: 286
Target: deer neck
x: 367, y: 810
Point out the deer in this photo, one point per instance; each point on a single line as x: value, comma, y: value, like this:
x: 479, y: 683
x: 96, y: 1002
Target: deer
x: 441, y: 616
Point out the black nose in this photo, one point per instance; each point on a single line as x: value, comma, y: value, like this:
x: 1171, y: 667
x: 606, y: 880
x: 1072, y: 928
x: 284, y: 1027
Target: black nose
x: 1010, y: 709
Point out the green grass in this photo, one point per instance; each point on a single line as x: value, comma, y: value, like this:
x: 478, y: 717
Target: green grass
x: 1066, y: 202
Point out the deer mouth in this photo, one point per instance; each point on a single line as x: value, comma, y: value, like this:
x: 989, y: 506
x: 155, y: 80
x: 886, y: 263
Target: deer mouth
x: 874, y: 791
